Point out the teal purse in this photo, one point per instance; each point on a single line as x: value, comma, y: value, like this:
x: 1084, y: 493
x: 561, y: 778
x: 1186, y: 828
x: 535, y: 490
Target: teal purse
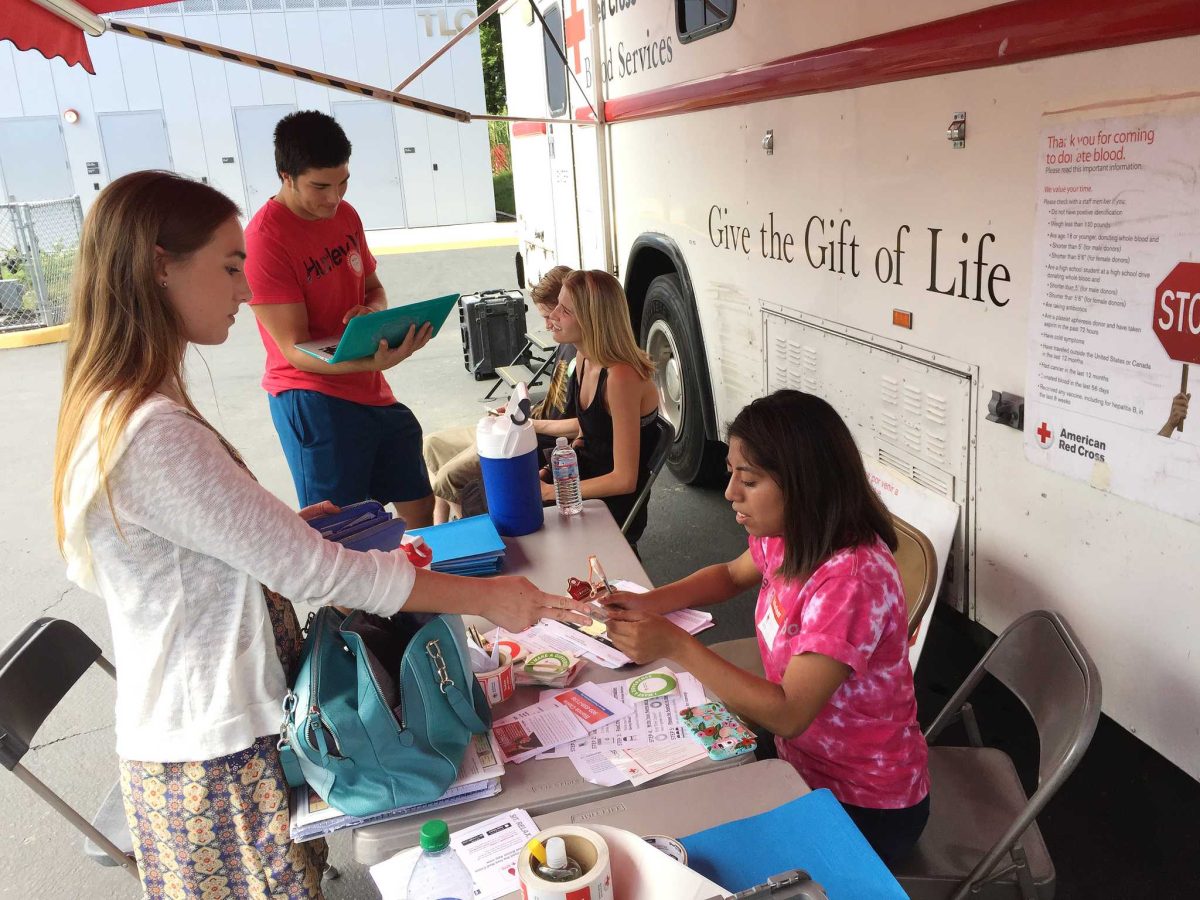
x: 381, y: 710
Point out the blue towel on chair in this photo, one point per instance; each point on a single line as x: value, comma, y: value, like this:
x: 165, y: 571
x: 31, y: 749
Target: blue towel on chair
x: 812, y: 833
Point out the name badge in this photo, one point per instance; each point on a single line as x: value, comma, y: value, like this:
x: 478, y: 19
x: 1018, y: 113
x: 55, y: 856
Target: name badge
x: 771, y: 620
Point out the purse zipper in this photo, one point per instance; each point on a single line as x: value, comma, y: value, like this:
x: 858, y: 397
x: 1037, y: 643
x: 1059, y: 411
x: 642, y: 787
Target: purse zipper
x: 379, y: 690
x: 314, y: 708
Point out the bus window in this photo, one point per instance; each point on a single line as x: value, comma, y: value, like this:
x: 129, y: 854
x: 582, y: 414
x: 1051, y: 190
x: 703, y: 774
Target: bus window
x: 556, y: 69
x: 695, y: 19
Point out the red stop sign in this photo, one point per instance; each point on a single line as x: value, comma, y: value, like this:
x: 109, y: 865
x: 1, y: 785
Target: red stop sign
x: 1177, y: 313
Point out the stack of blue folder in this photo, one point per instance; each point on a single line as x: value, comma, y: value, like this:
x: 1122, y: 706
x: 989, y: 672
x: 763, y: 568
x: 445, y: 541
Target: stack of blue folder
x: 464, y: 547
x: 361, y: 526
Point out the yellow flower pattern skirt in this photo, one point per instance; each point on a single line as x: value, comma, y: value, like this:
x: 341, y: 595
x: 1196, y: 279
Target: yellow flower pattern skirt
x: 218, y: 829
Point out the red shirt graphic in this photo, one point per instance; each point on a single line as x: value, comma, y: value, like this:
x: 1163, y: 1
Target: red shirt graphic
x: 324, y: 264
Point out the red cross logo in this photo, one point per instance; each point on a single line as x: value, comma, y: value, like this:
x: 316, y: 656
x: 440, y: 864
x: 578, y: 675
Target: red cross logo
x: 574, y: 32
x: 1045, y: 435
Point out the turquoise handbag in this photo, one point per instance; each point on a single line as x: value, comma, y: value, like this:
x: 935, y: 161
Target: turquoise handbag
x: 381, y: 710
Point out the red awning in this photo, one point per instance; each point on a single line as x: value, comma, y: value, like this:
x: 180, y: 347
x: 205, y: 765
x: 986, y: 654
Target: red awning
x: 31, y: 27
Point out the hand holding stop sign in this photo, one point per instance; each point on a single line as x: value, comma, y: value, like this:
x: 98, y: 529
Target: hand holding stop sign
x: 1177, y: 326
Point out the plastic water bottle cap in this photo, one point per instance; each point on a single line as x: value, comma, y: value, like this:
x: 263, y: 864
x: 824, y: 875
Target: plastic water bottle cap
x: 556, y: 853
x: 560, y: 442
x: 435, y: 835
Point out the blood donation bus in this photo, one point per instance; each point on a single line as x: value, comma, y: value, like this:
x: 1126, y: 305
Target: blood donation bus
x: 972, y: 227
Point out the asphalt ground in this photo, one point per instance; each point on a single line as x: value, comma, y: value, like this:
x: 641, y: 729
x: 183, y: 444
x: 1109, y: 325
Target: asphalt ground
x: 40, y: 853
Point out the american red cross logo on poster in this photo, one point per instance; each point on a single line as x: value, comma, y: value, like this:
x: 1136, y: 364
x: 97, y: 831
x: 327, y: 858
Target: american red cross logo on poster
x: 573, y: 32
x: 1045, y: 435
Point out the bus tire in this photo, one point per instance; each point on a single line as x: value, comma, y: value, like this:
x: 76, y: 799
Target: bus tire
x: 672, y: 341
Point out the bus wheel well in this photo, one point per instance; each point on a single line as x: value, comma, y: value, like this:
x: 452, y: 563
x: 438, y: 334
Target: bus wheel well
x: 663, y: 311
x: 645, y: 264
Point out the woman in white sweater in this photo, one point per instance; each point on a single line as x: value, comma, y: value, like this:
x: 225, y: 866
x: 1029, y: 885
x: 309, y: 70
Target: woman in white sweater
x: 158, y: 515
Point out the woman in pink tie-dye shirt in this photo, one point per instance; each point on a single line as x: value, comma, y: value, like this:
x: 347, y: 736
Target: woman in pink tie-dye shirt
x: 831, y: 620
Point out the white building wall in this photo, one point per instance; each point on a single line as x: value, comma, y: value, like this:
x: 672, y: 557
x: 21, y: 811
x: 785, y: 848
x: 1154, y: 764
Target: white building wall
x: 377, y: 41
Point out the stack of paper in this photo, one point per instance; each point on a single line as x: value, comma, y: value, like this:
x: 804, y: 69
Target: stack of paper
x: 562, y: 716
x: 465, y: 546
x: 478, y: 777
x: 648, y: 742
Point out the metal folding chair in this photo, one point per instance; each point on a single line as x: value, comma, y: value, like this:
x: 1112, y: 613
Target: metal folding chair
x: 666, y: 437
x: 982, y: 838
x: 510, y: 375
x: 37, y: 669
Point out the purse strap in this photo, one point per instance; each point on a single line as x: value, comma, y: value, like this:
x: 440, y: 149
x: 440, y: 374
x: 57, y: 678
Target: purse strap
x: 463, y: 708
x: 291, y: 765
x: 465, y: 711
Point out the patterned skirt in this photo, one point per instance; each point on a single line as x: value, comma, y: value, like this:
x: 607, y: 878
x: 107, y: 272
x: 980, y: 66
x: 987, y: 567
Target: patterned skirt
x: 218, y: 828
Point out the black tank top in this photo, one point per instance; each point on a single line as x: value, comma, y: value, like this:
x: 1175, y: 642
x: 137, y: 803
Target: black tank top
x: 596, y: 454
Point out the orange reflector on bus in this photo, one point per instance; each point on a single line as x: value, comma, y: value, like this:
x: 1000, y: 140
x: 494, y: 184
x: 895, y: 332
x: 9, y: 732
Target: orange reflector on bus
x: 902, y: 317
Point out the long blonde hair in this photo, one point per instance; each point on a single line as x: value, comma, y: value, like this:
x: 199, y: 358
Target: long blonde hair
x: 603, y: 314
x: 126, y: 339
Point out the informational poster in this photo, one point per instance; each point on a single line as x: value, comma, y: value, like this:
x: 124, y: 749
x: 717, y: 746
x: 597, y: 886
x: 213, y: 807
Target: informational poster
x: 1118, y: 212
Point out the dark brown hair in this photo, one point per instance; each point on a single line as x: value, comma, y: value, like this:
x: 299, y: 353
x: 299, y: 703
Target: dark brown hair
x: 801, y: 442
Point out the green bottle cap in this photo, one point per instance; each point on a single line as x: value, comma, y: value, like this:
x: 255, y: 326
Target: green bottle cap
x: 435, y: 835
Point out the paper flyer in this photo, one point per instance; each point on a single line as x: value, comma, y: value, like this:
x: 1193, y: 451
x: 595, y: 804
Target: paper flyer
x: 490, y: 850
x: 1114, y: 320
x: 526, y: 733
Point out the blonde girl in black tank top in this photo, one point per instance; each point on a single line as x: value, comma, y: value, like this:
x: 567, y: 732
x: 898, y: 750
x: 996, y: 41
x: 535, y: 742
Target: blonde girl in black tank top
x: 615, y: 398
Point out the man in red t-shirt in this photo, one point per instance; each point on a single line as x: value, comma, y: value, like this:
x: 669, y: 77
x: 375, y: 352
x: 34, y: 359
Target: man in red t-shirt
x: 344, y: 435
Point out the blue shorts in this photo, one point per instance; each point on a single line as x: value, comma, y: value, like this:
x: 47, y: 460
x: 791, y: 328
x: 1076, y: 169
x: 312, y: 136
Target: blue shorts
x: 346, y: 452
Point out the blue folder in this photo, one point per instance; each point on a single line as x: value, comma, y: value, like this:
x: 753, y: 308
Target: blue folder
x: 464, y: 547
x: 812, y: 833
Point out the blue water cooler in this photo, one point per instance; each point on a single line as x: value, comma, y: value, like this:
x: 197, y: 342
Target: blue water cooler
x: 508, y: 455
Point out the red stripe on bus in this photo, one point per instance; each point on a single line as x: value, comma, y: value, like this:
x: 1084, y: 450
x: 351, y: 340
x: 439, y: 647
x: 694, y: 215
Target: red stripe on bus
x: 520, y: 129
x: 997, y: 36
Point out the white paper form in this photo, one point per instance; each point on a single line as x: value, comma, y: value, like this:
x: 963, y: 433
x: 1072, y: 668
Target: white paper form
x: 528, y: 732
x: 490, y: 850
x: 652, y: 722
x: 644, y: 764
x: 597, y: 768
x: 581, y: 645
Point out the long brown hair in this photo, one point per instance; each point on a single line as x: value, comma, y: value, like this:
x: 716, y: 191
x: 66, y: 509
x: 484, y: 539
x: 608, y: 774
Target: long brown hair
x: 126, y: 339
x: 603, y: 314
x: 801, y: 442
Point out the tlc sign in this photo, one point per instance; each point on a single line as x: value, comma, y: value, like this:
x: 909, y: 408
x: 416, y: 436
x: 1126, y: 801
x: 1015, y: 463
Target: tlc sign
x: 1177, y: 313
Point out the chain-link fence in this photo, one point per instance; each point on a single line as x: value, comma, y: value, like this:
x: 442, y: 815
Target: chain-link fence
x: 37, y: 254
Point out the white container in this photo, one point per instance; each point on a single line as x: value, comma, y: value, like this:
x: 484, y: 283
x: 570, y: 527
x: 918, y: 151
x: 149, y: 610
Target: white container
x: 584, y: 846
x: 508, y: 457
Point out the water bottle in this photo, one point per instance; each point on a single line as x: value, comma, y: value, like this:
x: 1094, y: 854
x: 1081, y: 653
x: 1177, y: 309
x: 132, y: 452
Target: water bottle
x: 564, y: 466
x: 439, y: 874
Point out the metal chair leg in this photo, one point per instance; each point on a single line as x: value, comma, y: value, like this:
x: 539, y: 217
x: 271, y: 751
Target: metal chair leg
x: 126, y: 862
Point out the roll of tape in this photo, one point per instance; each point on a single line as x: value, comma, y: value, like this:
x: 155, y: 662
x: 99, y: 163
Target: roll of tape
x: 547, y: 664
x: 667, y: 845
x: 497, y: 684
x: 585, y: 847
